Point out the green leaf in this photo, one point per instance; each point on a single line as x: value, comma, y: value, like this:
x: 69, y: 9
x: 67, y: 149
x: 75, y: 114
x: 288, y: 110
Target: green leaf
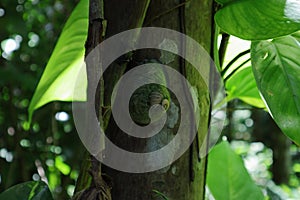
x: 242, y: 85
x: 259, y: 19
x: 297, y: 36
x: 28, y: 191
x: 227, y: 178
x: 59, y: 78
x: 276, y: 67
x: 296, y: 167
x: 223, y: 1
x: 61, y: 166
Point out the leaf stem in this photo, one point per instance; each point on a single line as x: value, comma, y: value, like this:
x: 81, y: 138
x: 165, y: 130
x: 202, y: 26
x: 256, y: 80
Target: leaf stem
x: 237, y: 68
x: 223, y: 48
x: 233, y: 61
x: 215, y: 48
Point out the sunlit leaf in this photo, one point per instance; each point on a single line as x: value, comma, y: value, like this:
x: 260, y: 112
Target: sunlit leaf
x: 297, y: 36
x: 296, y: 167
x: 259, y: 19
x: 276, y: 67
x: 227, y: 178
x: 242, y: 85
x: 28, y: 191
x: 61, y: 166
x: 53, y: 177
x: 58, y: 80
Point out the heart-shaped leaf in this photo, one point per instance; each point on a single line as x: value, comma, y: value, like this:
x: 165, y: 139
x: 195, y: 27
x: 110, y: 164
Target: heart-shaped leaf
x: 59, y: 78
x: 227, y: 178
x: 259, y: 19
x: 242, y: 85
x: 276, y: 67
x: 27, y: 191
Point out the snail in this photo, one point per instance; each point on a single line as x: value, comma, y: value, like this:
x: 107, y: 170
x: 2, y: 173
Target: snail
x: 147, y: 96
x: 158, y: 98
x: 144, y: 98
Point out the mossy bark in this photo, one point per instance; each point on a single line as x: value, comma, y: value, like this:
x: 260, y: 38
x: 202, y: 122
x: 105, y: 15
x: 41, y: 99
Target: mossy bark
x: 185, y: 178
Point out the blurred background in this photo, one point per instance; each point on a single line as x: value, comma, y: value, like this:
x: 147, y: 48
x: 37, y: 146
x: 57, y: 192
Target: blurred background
x: 51, y: 150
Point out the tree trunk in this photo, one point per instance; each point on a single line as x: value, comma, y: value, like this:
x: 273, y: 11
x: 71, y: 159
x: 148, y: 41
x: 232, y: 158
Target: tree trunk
x: 266, y: 131
x: 185, y: 178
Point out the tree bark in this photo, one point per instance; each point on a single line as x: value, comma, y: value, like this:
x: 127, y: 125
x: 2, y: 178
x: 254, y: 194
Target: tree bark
x: 185, y: 178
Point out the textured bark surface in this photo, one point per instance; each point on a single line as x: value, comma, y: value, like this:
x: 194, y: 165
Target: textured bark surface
x: 185, y: 178
x: 198, y: 25
x: 90, y: 181
x: 87, y: 184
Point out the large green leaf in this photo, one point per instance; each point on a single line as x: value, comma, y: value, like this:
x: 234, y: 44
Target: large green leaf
x: 242, y: 85
x: 27, y: 191
x: 297, y: 36
x: 59, y: 78
x: 227, y: 177
x: 259, y: 19
x: 276, y: 67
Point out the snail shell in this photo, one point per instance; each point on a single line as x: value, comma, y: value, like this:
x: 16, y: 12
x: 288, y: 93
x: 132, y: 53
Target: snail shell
x: 157, y: 98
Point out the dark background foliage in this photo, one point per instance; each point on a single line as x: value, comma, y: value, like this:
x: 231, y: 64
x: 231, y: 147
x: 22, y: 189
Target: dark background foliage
x: 51, y: 149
